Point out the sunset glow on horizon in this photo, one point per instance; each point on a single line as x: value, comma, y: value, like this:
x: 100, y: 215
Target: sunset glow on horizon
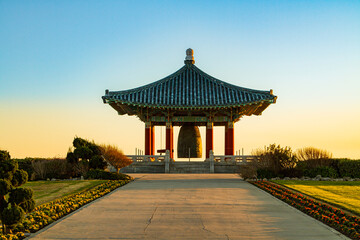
x: 57, y: 59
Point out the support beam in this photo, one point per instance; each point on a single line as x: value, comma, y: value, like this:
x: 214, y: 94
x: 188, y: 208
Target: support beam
x: 147, y: 138
x: 229, y: 138
x: 209, y: 138
x: 152, y: 140
x: 170, y: 139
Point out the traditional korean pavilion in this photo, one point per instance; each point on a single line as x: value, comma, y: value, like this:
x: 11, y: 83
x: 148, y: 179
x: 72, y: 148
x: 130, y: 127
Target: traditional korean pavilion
x: 189, y: 98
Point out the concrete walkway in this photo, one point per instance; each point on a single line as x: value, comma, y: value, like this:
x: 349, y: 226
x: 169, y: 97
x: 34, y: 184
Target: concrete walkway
x: 188, y: 206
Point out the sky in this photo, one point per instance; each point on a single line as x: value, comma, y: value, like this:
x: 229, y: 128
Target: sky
x: 58, y: 57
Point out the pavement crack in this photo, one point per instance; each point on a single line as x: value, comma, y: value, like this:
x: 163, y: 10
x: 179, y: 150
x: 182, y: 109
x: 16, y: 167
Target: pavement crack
x: 150, y: 219
x: 205, y: 229
x: 227, y: 236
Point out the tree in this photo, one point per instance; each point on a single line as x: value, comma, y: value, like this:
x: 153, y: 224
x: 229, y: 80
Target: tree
x: 115, y: 156
x: 19, y: 200
x: 86, y: 154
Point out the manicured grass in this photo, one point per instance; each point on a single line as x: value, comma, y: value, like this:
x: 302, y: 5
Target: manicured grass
x: 343, y: 194
x: 45, y: 191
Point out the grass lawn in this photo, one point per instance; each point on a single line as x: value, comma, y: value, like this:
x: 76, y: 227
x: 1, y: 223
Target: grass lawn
x: 346, y: 195
x: 45, y: 191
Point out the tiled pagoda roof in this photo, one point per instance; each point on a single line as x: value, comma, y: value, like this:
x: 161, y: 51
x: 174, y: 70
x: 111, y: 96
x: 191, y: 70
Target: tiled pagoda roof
x: 189, y: 88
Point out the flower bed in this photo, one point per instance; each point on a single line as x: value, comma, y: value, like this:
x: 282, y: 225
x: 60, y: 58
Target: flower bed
x: 335, y: 218
x: 49, y: 212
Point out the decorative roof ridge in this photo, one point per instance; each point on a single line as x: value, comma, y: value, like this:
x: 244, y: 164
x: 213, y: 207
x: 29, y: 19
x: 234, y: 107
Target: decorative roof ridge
x: 165, y: 79
x: 225, y: 83
x: 178, y: 72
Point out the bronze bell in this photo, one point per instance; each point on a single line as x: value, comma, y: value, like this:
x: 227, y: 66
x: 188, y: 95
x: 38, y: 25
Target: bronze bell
x: 189, y: 141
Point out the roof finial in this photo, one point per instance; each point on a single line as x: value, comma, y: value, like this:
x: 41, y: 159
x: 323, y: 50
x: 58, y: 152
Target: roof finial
x: 189, y: 56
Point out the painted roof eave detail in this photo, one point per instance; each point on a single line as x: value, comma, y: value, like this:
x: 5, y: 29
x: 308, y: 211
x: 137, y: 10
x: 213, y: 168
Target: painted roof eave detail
x: 187, y: 107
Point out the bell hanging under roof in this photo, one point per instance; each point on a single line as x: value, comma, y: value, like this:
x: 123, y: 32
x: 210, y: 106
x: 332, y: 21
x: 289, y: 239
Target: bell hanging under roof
x: 189, y: 142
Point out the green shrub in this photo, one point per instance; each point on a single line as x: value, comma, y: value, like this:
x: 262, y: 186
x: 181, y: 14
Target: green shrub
x: 13, y: 215
x: 97, y: 162
x: 275, y: 159
x: 265, y: 173
x: 85, y: 153
x: 291, y: 172
x: 19, y: 200
x: 101, y: 174
x: 330, y: 167
x: 323, y: 171
x: 321, y: 162
x: 349, y: 168
x: 25, y: 164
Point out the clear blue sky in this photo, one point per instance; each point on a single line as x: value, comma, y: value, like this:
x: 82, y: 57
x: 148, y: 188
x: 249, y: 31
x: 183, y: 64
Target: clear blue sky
x: 58, y: 57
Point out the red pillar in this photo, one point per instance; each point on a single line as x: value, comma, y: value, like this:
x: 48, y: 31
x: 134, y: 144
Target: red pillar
x: 209, y: 138
x: 169, y: 139
x: 147, y: 138
x: 152, y: 140
x: 229, y: 138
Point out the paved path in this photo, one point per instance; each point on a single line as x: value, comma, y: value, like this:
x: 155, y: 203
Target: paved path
x: 188, y: 206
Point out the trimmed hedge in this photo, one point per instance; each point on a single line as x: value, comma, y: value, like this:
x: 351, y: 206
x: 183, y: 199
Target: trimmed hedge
x: 349, y: 168
x: 323, y: 171
x: 105, y: 175
x: 332, y: 168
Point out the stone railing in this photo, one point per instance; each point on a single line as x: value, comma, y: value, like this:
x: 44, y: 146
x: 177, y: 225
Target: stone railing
x: 165, y: 159
x: 235, y: 158
x: 147, y: 158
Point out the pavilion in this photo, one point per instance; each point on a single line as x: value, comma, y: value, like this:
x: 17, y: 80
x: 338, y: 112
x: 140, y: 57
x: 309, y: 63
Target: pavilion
x: 189, y: 97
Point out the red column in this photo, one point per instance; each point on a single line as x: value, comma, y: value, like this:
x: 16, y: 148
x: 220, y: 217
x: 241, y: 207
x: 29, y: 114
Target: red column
x: 147, y: 138
x: 169, y: 139
x: 152, y: 140
x: 229, y: 138
x: 209, y: 138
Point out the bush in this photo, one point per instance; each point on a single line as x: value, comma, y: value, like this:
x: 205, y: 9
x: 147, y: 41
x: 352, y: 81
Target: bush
x: 14, y: 202
x: 248, y: 171
x: 101, y: 174
x: 310, y: 153
x: 265, y: 173
x: 349, y: 168
x: 314, y: 163
x: 97, y: 162
x: 115, y: 156
x: 323, y: 171
x: 291, y: 172
x: 275, y: 159
x: 86, y: 152
x: 330, y: 167
x: 26, y: 165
